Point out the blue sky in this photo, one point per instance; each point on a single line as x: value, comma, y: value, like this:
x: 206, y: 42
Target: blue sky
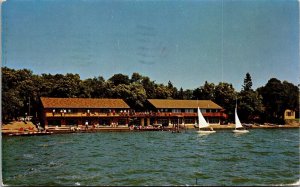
x: 187, y: 42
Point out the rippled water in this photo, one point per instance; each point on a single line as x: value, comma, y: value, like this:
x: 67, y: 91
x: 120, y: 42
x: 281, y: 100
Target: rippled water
x: 261, y: 157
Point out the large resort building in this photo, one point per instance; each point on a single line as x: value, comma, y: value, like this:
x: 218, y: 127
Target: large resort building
x: 185, y: 111
x: 68, y: 112
x: 84, y: 111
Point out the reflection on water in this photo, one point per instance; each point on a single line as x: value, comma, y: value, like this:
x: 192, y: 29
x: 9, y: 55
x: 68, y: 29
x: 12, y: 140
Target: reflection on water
x: 260, y: 157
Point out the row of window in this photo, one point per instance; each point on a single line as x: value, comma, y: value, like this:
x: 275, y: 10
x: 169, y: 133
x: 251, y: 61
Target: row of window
x: 105, y: 122
x: 89, y: 110
x: 187, y: 110
x: 71, y: 122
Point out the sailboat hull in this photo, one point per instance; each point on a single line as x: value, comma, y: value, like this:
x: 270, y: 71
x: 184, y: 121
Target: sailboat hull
x: 240, y: 131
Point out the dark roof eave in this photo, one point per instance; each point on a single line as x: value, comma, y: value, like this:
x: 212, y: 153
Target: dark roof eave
x: 188, y: 107
x: 87, y: 107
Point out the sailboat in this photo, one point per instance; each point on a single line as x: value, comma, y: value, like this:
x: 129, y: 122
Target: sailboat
x: 238, y: 126
x: 203, y: 124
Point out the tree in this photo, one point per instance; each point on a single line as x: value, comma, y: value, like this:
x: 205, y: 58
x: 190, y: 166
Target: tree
x: 11, y: 105
x: 207, y: 91
x: 247, y: 82
x: 188, y: 94
x: 225, y: 96
x: 17, y: 87
x: 95, y: 88
x: 134, y: 94
x: 66, y: 85
x: 173, y: 90
x: 250, y: 106
x: 277, y: 97
x: 250, y: 102
x: 180, y: 94
x: 119, y: 79
x: 149, y: 87
x: 291, y: 96
x: 162, y: 92
x: 136, y: 77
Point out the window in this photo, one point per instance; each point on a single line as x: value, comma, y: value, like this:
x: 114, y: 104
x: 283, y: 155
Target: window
x: 175, y: 110
x: 189, y: 120
x: 163, y: 122
x: 189, y: 110
x: 213, y: 120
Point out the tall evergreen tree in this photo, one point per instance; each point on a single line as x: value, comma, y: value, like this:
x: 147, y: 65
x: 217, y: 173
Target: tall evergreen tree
x: 247, y: 82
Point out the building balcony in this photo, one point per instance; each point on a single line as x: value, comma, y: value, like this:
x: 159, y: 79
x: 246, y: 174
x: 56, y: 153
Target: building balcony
x: 84, y: 114
x: 137, y: 114
x: 179, y: 114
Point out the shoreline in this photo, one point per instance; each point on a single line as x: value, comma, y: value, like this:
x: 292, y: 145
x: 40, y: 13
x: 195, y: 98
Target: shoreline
x: 29, y: 129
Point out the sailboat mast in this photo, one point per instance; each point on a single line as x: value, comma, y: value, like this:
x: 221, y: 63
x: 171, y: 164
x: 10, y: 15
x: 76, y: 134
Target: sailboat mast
x: 198, y: 114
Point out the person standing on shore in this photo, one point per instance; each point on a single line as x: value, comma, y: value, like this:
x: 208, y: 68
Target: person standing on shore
x: 86, y: 125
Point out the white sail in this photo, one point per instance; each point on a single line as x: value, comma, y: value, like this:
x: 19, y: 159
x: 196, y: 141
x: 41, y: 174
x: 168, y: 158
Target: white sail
x: 237, y: 120
x: 201, y: 121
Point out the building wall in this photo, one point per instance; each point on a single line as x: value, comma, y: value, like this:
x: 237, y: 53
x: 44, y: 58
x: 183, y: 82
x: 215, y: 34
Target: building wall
x: 289, y: 114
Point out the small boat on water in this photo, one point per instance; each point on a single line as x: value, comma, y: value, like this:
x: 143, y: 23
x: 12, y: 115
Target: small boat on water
x: 203, y: 124
x: 238, y: 126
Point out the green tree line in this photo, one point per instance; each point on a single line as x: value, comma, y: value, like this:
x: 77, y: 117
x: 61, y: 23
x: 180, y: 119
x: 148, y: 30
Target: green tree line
x: 21, y: 92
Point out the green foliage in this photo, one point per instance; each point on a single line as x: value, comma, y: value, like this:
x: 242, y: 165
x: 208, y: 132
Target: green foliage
x: 277, y: 97
x: 21, y: 92
x: 206, y: 92
x: 149, y: 87
x: 136, y: 77
x: 247, y: 82
x: 162, y: 92
x: 250, y: 106
x: 94, y: 88
x: 225, y: 96
x: 119, y: 79
x: 11, y: 104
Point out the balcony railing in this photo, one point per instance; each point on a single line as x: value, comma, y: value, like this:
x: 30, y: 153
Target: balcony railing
x: 84, y: 114
x: 137, y: 114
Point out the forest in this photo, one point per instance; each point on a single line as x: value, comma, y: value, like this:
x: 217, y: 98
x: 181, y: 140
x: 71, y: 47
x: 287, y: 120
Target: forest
x: 21, y: 92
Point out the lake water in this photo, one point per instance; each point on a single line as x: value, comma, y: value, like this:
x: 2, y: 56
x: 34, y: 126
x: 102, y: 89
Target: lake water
x: 261, y: 157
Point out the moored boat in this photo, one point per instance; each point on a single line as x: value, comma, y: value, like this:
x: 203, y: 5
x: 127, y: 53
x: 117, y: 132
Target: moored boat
x: 203, y: 124
x: 238, y: 126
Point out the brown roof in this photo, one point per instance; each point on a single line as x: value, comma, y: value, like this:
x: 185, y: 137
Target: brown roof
x: 170, y: 103
x: 82, y: 103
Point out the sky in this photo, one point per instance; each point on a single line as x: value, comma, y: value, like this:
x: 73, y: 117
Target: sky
x: 186, y: 42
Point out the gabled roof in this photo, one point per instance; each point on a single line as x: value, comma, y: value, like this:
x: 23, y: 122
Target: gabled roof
x: 82, y: 103
x: 171, y: 103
